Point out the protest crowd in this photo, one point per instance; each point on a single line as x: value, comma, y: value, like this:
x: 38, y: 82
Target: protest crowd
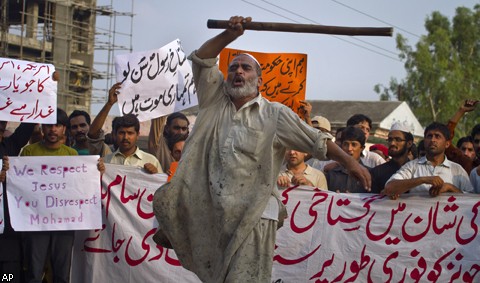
x: 245, y: 151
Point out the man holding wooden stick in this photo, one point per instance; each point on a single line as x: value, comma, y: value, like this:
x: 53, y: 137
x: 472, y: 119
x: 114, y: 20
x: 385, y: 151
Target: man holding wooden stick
x: 221, y: 210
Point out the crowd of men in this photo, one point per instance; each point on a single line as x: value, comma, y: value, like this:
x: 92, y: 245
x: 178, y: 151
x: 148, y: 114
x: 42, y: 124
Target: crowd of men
x: 397, y: 167
x: 242, y: 148
x: 26, y: 255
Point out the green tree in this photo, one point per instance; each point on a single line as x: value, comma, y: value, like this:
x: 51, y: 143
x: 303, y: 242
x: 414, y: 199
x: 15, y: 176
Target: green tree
x: 442, y: 71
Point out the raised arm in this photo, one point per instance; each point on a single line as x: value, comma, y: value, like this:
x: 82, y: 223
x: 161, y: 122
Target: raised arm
x: 467, y: 106
x: 97, y: 123
x: 212, y: 47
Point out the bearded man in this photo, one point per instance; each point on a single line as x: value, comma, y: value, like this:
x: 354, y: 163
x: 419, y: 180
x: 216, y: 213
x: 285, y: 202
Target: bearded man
x: 221, y: 209
x: 400, y: 140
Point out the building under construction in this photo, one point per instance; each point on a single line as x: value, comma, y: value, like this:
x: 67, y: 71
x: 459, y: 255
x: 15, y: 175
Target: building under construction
x: 68, y: 34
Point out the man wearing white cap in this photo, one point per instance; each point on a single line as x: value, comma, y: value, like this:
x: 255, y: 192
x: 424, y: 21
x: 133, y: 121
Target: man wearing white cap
x: 433, y: 173
x: 400, y: 141
x: 221, y: 209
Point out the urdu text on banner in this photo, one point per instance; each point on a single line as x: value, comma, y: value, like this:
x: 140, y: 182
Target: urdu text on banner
x: 48, y: 193
x: 28, y: 92
x: 155, y: 83
x: 284, y: 75
x: 327, y: 237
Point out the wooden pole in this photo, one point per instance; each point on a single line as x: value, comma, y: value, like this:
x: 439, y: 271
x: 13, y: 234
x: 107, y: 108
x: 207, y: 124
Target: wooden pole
x: 304, y: 28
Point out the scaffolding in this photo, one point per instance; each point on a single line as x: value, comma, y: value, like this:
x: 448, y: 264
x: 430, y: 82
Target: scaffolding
x: 77, y: 36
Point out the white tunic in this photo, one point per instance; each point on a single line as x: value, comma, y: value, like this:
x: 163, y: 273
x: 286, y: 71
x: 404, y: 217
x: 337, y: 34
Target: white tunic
x: 227, y: 173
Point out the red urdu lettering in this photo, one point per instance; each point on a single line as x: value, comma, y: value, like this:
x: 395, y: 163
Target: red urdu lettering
x: 170, y: 260
x: 93, y: 239
x: 356, y: 268
x: 140, y: 212
x: 125, y: 199
x: 416, y: 274
x: 417, y: 220
x: 326, y: 264
x: 41, y: 67
x: 371, y: 235
x: 107, y: 194
x: 285, y: 261
x: 340, y: 203
x: 340, y: 276
x: 439, y: 230
x: 473, y: 225
x: 311, y: 212
x: 145, y: 247
x: 469, y: 276
x: 432, y: 275
x: 116, y: 244
x: 285, y: 194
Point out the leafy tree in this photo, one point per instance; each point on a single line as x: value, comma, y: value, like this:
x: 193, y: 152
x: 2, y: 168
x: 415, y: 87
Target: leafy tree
x: 442, y: 71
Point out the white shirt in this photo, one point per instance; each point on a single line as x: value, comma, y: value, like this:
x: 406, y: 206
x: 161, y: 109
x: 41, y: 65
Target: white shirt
x: 371, y: 159
x: 228, y: 172
x: 449, y: 171
x: 475, y: 180
x: 138, y: 159
x: 316, y: 177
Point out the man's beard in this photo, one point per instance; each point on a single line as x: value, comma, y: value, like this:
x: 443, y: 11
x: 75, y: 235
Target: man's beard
x: 250, y: 87
x: 399, y: 153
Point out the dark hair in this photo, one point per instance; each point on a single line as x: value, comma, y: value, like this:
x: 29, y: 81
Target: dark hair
x: 475, y: 130
x: 62, y: 118
x: 414, y: 151
x: 129, y: 120
x: 77, y: 113
x: 408, y: 136
x: 176, y: 115
x: 357, y: 119
x: 114, y: 124
x: 420, y: 146
x: 439, y: 127
x: 464, y: 139
x: 353, y: 134
x: 176, y: 138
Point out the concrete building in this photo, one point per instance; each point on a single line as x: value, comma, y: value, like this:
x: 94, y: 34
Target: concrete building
x: 382, y: 113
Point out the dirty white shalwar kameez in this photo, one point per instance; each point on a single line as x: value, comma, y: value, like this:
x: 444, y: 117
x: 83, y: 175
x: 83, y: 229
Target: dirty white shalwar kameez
x: 227, y: 173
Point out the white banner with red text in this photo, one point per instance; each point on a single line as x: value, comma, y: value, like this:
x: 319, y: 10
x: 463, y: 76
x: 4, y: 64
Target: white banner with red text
x: 328, y: 237
x: 47, y: 193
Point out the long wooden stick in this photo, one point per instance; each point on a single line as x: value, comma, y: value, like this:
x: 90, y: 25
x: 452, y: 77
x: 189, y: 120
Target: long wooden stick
x: 304, y: 28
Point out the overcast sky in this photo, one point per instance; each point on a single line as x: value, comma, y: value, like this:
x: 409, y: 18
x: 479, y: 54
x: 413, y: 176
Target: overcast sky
x: 339, y: 67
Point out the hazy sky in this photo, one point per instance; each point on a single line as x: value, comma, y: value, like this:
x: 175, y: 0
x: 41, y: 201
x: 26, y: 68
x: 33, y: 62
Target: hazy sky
x: 339, y: 67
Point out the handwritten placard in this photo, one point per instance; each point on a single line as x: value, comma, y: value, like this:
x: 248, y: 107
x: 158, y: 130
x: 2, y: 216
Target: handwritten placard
x: 155, y: 83
x: 54, y: 193
x: 124, y: 245
x: 28, y: 92
x: 328, y: 237
x: 284, y: 75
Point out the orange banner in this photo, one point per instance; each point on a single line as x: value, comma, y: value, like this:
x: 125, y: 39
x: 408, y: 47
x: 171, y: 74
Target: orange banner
x: 284, y: 75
